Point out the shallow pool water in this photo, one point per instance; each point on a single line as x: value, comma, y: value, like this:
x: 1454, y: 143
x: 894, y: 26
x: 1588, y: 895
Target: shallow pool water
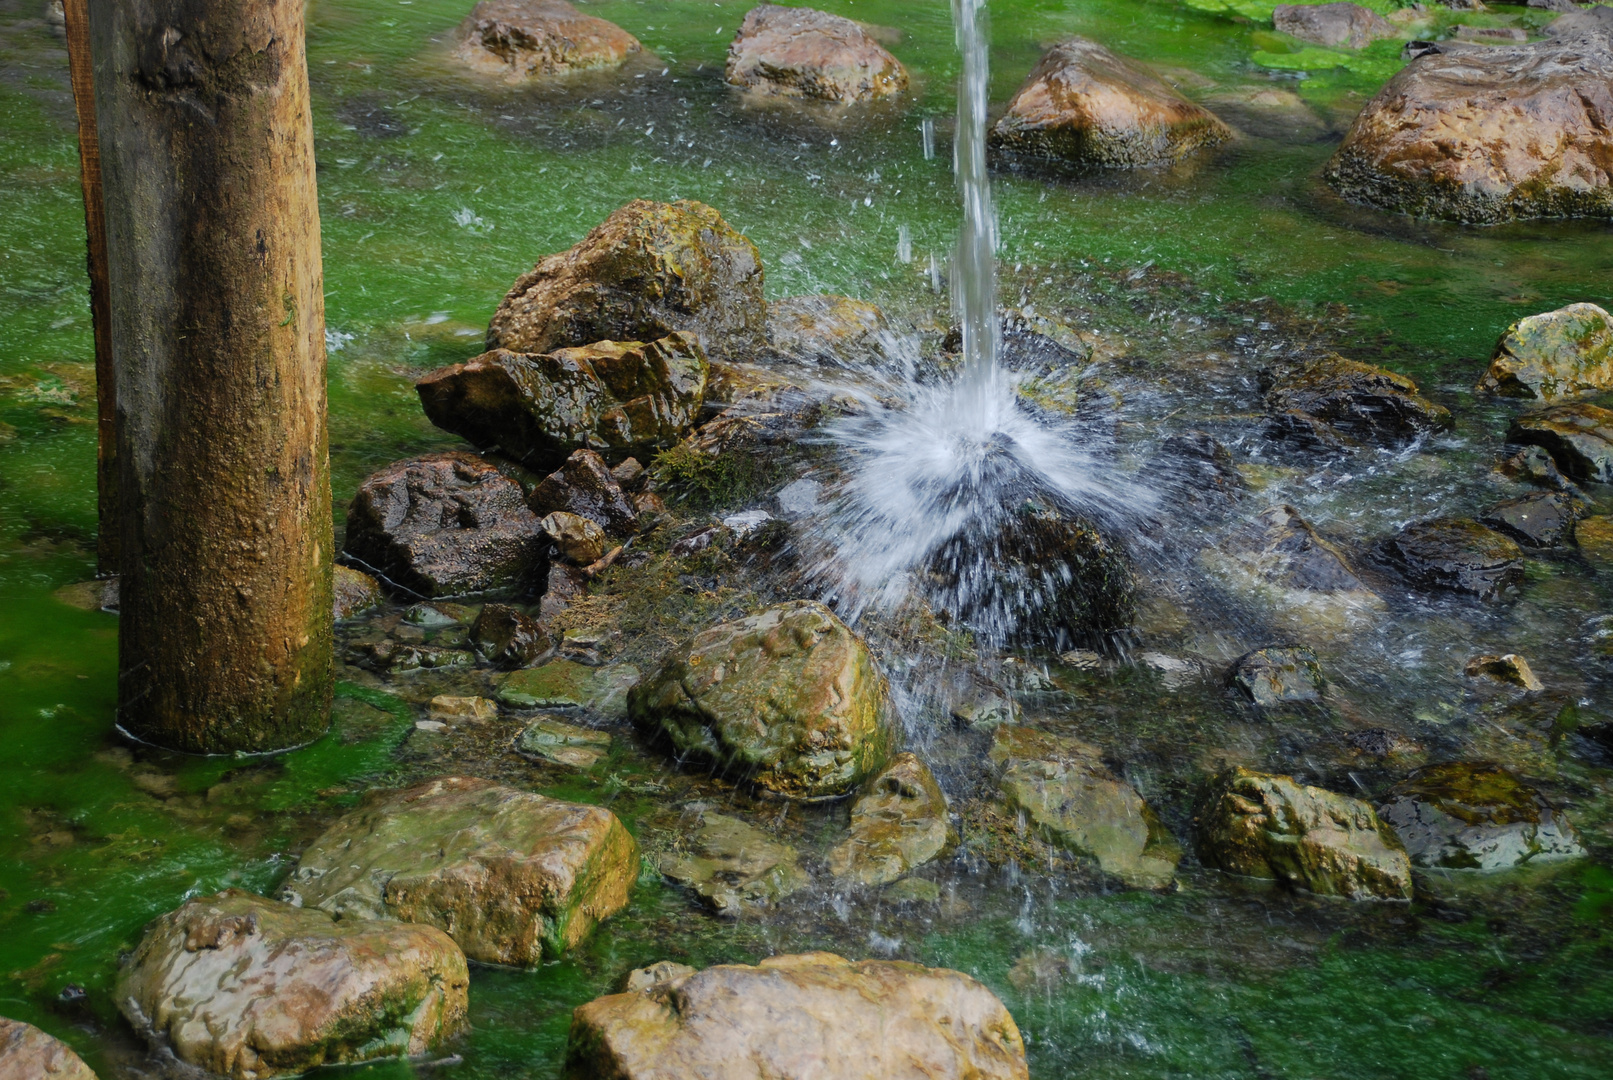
x: 437, y: 191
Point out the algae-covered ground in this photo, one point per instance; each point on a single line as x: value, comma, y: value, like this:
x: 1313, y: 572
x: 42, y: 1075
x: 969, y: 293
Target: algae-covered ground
x: 437, y: 191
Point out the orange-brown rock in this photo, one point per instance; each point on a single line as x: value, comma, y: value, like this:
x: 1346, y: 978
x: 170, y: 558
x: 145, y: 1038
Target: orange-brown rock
x: 252, y: 988
x: 647, y: 271
x: 520, y: 39
x: 26, y: 1053
x: 812, y: 1015
x: 1084, y: 107
x: 1491, y: 134
x: 801, y: 52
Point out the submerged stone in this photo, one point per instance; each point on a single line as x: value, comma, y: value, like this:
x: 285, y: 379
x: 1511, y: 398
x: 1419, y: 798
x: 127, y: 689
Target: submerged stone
x: 1540, y: 519
x: 353, y: 592
x: 447, y: 524
x: 454, y: 707
x: 562, y: 743
x: 512, y: 876
x: 814, y: 1014
x: 649, y: 270
x: 585, y: 486
x: 507, y: 636
x: 1084, y: 107
x: 1457, y: 554
x: 1467, y: 816
x: 1075, y: 802
x: 898, y: 826
x: 252, y: 988
x: 804, y: 53
x: 1509, y: 668
x: 1280, y: 561
x: 1340, y: 405
x: 789, y: 699
x: 1579, y: 438
x: 1279, y: 676
x: 1555, y: 355
x: 1266, y: 826
x: 1534, y: 465
x: 26, y: 1053
x: 1349, y: 26
x: 523, y: 39
x: 1594, y: 536
x: 618, y: 398
x: 733, y: 866
x: 562, y: 684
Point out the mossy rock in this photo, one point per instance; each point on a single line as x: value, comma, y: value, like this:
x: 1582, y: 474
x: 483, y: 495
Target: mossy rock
x: 1554, y: 355
x: 1476, y: 816
x: 898, y: 825
x: 562, y: 684
x: 734, y: 867
x: 1578, y: 437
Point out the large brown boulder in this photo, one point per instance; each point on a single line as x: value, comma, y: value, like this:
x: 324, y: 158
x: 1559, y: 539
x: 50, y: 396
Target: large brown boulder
x: 1491, y: 134
x: 619, y: 398
x: 1265, y: 826
x: 252, y: 988
x: 801, y: 52
x: 447, y: 524
x: 1554, y: 355
x: 789, y: 699
x: 1333, y: 25
x: 520, y: 39
x: 1085, y: 107
x: 813, y: 1015
x: 26, y: 1053
x: 647, y: 271
x: 512, y: 876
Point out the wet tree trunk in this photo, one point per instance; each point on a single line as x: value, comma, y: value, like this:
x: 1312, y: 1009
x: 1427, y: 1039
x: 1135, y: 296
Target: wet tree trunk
x: 218, y: 343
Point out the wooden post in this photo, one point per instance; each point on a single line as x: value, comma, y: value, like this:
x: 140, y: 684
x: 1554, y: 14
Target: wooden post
x: 89, y: 164
x: 217, y: 318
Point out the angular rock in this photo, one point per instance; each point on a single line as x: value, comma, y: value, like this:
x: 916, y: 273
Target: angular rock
x: 1275, y: 677
x: 732, y: 866
x: 1338, y: 404
x: 1456, y: 554
x: 1491, y: 134
x: 453, y: 707
x: 615, y: 397
x: 1267, y: 826
x: 1083, y: 107
x: 630, y: 476
x: 251, y: 988
x: 649, y: 270
x: 523, y: 39
x: 584, y: 486
x: 1476, y: 816
x: 562, y: 743
x: 830, y: 331
x: 803, y: 53
x: 566, y: 684
x: 898, y: 826
x: 513, y: 877
x: 1279, y: 560
x: 447, y: 524
x: 790, y: 699
x: 1534, y: 465
x: 1068, y: 796
x: 811, y: 1015
x: 1578, y: 437
x: 1350, y: 26
x: 1509, y: 668
x: 507, y: 636
x: 1555, y: 355
x: 26, y: 1053
x: 354, y: 592
x: 1541, y: 519
x: 581, y: 541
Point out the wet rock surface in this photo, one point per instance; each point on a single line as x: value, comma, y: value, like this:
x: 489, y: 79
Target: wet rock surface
x: 1491, y: 134
x: 1084, y: 107
x: 26, y: 1053
x: 619, y: 398
x: 1507, y: 668
x: 1278, y: 562
x: 1578, y: 437
x: 1458, y: 555
x: 444, y: 525
x: 900, y: 824
x: 1476, y: 816
x: 734, y: 867
x: 1541, y: 519
x: 1266, y: 826
x: 810, y: 1014
x: 249, y: 988
x: 788, y: 699
x: 801, y: 52
x: 1069, y: 796
x: 507, y: 637
x: 1338, y: 405
x: 567, y: 684
x: 1348, y: 25
x: 585, y: 486
x: 1279, y: 676
x: 354, y: 591
x: 555, y: 740
x: 649, y: 270
x: 523, y: 39
x: 512, y: 876
x: 831, y: 331
x: 1558, y: 354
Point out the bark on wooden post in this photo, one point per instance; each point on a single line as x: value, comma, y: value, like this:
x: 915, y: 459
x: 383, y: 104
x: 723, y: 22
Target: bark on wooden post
x: 218, y: 343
